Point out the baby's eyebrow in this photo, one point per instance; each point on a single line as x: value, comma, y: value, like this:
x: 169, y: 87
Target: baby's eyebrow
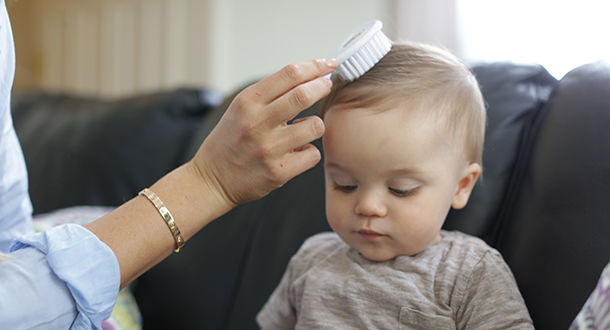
x: 405, y: 171
x: 416, y: 174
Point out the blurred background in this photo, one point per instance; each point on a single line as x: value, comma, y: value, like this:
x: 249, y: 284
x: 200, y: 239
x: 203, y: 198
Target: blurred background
x: 124, y: 47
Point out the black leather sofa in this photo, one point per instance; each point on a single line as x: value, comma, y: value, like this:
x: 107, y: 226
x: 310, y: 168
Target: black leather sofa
x: 544, y: 201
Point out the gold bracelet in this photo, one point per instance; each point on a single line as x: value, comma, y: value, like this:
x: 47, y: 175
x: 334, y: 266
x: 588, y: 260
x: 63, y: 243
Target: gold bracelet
x: 166, y: 215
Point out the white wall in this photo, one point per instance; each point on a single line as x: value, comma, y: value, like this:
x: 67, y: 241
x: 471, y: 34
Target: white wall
x: 255, y: 38
x: 428, y: 21
x: 120, y: 47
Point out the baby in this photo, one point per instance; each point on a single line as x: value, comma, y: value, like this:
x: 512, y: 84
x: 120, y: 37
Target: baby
x: 403, y: 144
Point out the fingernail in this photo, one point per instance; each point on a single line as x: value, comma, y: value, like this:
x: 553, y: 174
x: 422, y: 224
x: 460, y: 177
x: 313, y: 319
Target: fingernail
x: 331, y: 63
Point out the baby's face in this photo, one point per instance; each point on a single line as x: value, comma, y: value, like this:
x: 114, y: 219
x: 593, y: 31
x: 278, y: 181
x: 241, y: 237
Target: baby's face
x: 391, y: 178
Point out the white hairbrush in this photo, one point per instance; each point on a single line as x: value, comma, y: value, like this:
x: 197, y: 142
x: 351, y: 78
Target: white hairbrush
x: 361, y: 50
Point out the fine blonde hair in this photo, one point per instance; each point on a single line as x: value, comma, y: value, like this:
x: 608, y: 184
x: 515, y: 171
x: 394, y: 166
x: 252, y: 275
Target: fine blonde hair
x: 425, y: 78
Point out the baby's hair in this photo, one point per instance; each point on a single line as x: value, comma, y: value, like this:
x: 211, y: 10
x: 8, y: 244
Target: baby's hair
x: 426, y: 78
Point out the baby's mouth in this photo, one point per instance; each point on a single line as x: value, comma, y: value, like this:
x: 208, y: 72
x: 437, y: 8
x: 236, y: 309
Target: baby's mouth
x: 369, y: 234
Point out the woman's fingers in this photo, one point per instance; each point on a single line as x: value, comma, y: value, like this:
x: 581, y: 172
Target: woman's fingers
x: 292, y: 75
x: 300, y: 160
x: 299, y: 98
x: 300, y: 132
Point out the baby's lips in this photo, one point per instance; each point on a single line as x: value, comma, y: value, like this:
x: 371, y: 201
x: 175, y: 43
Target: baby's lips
x: 369, y: 232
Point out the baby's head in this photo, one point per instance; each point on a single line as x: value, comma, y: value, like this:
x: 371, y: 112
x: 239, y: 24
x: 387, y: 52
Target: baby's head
x: 403, y: 145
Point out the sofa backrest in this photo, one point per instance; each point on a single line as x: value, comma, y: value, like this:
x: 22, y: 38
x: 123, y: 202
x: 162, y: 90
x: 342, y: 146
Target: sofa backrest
x: 556, y: 228
x: 515, y: 96
x: 82, y: 150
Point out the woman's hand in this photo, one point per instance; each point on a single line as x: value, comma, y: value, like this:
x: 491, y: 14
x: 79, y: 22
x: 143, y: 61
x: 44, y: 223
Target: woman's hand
x: 252, y: 150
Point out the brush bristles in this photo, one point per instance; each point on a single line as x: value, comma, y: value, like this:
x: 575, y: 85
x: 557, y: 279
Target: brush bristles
x: 365, y: 58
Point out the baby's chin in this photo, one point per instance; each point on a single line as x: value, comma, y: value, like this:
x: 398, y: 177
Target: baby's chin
x: 380, y: 255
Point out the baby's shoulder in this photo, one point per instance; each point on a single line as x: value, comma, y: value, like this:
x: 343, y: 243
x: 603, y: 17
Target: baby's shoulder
x: 464, y: 247
x: 460, y: 240
x: 316, y: 249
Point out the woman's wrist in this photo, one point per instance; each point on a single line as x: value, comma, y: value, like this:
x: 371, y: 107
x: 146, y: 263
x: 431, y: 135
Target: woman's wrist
x: 193, y: 196
x: 210, y: 184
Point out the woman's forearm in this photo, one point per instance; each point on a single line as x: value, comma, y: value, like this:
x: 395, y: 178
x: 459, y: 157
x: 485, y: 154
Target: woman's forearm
x: 137, y: 233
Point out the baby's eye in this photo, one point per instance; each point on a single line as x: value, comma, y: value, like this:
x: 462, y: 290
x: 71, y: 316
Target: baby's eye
x: 345, y: 188
x: 403, y: 193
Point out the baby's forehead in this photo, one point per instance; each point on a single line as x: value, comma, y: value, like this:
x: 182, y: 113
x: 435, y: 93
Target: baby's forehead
x: 407, y: 120
x: 406, y: 110
x: 390, y: 123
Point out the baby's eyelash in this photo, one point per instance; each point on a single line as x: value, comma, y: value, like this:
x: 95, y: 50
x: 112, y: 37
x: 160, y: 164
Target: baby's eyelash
x: 403, y: 193
x: 345, y: 189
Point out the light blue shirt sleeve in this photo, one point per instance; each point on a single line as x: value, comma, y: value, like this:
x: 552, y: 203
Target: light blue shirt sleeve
x: 58, y: 279
x: 64, y: 278
x: 15, y: 205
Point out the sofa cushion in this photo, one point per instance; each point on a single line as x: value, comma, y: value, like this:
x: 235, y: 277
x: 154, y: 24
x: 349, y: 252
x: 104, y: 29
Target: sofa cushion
x: 557, y: 241
x: 90, y: 151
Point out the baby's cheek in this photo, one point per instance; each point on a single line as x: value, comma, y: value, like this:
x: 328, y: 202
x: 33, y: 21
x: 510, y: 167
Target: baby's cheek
x: 335, y: 216
x: 332, y: 219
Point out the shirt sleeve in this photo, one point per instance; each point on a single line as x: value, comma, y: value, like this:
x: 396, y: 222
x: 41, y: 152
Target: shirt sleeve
x: 491, y: 283
x: 15, y: 205
x: 279, y: 312
x: 59, y: 279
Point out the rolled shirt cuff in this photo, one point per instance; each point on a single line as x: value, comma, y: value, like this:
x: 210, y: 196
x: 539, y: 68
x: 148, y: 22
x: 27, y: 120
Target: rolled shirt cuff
x: 87, y: 266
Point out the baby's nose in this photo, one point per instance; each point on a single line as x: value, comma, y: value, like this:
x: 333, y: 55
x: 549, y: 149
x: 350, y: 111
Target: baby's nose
x: 370, y: 204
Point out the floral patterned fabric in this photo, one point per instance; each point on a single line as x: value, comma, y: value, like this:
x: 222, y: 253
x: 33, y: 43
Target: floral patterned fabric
x: 596, y: 312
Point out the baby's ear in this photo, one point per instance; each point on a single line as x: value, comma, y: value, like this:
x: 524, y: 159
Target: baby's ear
x: 465, y: 185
